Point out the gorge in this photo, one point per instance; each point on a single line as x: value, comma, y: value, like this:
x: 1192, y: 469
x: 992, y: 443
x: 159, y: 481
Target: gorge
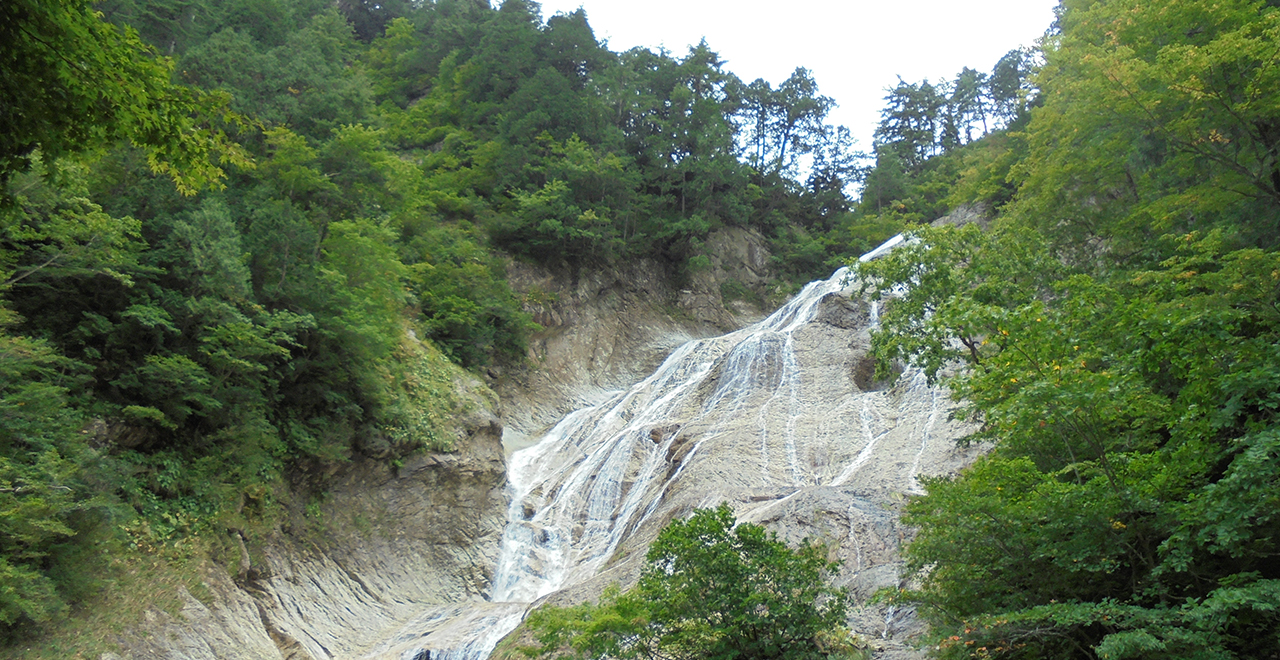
x: 366, y: 329
x: 782, y: 419
x: 769, y: 418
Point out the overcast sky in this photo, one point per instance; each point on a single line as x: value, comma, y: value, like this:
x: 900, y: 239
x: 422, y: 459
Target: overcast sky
x: 855, y: 49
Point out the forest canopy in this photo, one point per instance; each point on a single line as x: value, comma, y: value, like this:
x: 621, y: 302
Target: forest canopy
x: 1115, y: 337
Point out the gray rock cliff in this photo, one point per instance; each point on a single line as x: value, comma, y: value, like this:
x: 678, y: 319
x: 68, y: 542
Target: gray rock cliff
x: 604, y: 330
x: 392, y: 542
x: 786, y: 424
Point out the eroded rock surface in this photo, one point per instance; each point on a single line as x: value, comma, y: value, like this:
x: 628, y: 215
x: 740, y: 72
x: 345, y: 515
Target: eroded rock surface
x: 424, y: 534
x: 388, y: 544
x: 783, y: 422
x: 606, y: 330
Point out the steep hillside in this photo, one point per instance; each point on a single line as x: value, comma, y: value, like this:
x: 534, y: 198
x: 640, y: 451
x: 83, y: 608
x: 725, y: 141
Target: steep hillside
x: 605, y: 329
x: 784, y: 421
x: 263, y: 263
x: 219, y: 222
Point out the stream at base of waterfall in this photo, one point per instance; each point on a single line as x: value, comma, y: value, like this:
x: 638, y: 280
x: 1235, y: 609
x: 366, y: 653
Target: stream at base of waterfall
x: 778, y: 419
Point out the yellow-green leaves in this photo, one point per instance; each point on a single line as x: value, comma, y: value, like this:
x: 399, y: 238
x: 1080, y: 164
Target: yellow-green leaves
x: 1128, y: 502
x: 1157, y: 117
x: 55, y: 230
x: 75, y: 83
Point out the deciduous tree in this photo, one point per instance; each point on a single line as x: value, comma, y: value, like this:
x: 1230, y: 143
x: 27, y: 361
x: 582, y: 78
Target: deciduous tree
x: 713, y: 588
x: 74, y: 82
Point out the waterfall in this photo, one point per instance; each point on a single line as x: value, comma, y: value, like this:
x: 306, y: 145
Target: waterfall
x: 761, y: 414
x: 577, y: 491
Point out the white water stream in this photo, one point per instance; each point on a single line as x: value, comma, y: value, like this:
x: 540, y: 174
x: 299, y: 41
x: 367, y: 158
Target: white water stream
x: 603, y: 471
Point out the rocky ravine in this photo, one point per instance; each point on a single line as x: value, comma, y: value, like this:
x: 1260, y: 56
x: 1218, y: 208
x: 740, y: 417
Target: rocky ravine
x: 834, y: 461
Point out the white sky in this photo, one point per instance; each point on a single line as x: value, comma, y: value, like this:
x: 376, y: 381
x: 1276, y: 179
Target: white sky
x: 855, y: 49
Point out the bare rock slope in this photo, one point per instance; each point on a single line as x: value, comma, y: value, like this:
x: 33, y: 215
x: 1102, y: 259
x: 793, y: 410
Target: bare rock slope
x: 607, y: 329
x: 783, y: 420
x: 387, y: 544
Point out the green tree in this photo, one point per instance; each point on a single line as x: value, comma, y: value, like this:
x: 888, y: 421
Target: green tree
x: 911, y: 122
x: 466, y: 307
x: 569, y: 45
x: 44, y: 491
x: 75, y: 83
x: 306, y: 83
x: 785, y: 124
x: 396, y: 63
x: 1009, y: 85
x: 370, y: 18
x: 53, y: 231
x: 681, y: 135
x: 1116, y: 338
x: 1118, y: 514
x: 712, y: 588
x: 969, y: 102
x: 1157, y: 119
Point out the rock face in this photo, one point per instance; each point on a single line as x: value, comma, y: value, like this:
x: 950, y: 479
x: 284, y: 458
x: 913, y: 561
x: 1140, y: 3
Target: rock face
x: 229, y: 627
x: 782, y: 420
x: 393, y: 544
x: 424, y: 534
x: 605, y: 330
x: 739, y: 258
x: 974, y: 213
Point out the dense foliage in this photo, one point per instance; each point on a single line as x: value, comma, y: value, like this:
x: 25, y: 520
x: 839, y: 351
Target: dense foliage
x: 1116, y: 337
x: 711, y: 588
x: 240, y: 238
x: 74, y: 83
x: 225, y: 225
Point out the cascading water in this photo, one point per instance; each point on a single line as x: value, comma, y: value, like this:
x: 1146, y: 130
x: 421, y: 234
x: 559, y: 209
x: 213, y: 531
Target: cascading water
x: 759, y: 416
x: 585, y: 483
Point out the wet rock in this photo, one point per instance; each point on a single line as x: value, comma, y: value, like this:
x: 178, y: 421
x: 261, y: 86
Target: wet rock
x: 659, y: 433
x: 605, y: 330
x: 786, y: 423
x: 843, y: 312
